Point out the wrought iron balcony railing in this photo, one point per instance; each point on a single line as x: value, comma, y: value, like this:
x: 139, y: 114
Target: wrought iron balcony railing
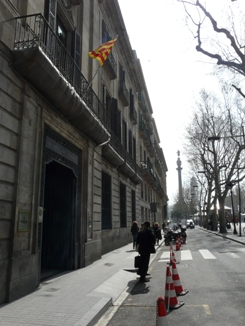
x: 34, y: 31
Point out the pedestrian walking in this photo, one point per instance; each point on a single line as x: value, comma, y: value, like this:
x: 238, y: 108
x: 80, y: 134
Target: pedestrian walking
x: 134, y: 231
x: 157, y: 233
x: 146, y: 244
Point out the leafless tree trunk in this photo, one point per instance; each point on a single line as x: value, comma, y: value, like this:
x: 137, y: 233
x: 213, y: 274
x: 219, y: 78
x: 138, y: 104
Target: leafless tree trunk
x: 217, y: 159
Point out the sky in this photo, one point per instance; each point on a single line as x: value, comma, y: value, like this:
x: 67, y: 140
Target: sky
x: 174, y: 73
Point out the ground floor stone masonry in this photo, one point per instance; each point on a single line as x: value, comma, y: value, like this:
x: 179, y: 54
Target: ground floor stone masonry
x: 50, y: 193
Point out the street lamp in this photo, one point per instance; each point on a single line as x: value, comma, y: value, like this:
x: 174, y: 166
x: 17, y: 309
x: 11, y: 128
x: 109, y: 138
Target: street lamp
x: 230, y: 185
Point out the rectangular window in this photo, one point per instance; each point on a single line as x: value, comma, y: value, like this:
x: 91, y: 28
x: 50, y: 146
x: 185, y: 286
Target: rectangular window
x: 105, y: 34
x: 115, y: 119
x: 134, y: 149
x: 130, y: 143
x: 123, y: 214
x: 131, y: 102
x: 121, y: 75
x: 125, y: 135
x: 106, y: 202
x: 133, y: 206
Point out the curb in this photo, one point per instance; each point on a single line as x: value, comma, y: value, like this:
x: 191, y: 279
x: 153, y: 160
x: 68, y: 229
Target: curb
x: 94, y: 314
x: 223, y: 235
x: 104, y: 315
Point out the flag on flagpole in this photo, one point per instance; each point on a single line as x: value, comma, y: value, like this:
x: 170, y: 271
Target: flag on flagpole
x: 102, y: 52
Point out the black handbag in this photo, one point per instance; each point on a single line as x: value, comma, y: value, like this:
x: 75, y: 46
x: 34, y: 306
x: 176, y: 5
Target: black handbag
x: 137, y: 261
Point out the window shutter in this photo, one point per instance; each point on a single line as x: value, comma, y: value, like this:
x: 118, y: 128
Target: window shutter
x: 121, y: 74
x: 119, y: 124
x: 76, y: 55
x: 130, y: 143
x: 104, y: 32
x: 104, y: 96
x: 76, y: 48
x: 51, y: 13
x: 134, y: 148
x: 125, y: 134
x: 114, y: 115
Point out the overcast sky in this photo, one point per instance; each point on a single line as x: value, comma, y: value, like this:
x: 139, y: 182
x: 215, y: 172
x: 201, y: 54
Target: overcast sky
x: 174, y: 73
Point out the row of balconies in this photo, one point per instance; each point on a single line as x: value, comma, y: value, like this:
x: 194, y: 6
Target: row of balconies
x: 151, y: 177
x: 40, y: 57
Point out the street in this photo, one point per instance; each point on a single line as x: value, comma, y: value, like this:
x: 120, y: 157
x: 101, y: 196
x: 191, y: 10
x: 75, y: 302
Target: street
x: 212, y: 268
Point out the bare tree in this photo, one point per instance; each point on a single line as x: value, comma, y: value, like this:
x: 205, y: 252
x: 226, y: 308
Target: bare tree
x: 224, y: 44
x: 214, y: 146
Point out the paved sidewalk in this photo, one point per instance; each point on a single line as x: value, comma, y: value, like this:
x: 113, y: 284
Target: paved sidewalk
x: 77, y: 298
x: 80, y: 298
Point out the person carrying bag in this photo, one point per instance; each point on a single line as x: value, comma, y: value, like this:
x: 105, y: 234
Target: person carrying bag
x: 146, y: 241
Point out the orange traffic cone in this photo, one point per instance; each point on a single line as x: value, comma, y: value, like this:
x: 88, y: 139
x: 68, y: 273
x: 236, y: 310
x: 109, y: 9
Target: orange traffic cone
x: 177, y: 248
x: 161, y: 313
x: 172, y: 256
x: 176, y: 280
x: 170, y: 294
x: 181, y: 240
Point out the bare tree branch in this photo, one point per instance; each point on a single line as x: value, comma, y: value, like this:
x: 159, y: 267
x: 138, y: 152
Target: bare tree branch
x: 239, y: 90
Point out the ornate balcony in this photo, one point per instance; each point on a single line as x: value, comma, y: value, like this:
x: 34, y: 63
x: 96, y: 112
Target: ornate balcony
x: 142, y: 129
x: 123, y: 94
x: 141, y: 101
x: 133, y: 115
x: 158, y: 167
x: 115, y: 153
x: 40, y: 58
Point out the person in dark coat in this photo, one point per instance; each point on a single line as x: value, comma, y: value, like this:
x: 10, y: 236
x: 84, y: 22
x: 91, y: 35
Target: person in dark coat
x: 134, y: 231
x: 157, y: 233
x: 146, y: 241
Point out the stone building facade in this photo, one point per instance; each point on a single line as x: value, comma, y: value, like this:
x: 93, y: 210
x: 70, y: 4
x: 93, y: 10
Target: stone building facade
x: 79, y: 149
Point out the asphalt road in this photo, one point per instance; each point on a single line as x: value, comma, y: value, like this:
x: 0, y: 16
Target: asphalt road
x: 212, y: 269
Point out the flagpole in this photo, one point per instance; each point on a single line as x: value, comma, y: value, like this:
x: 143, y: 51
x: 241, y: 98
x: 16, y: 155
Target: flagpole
x: 90, y: 82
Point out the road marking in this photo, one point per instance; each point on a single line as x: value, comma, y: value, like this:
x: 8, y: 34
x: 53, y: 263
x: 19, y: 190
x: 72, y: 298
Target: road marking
x: 165, y: 257
x: 205, y: 307
x: 186, y: 255
x: 206, y: 254
x: 165, y: 254
x: 232, y: 255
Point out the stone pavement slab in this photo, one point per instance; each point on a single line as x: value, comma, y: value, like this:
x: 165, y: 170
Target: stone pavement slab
x: 77, y: 298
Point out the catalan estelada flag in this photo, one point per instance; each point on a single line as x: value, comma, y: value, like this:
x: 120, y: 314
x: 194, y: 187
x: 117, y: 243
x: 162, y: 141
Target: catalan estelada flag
x: 102, y: 52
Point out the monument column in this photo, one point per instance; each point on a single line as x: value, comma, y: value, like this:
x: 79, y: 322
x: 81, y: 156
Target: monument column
x: 179, y: 168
